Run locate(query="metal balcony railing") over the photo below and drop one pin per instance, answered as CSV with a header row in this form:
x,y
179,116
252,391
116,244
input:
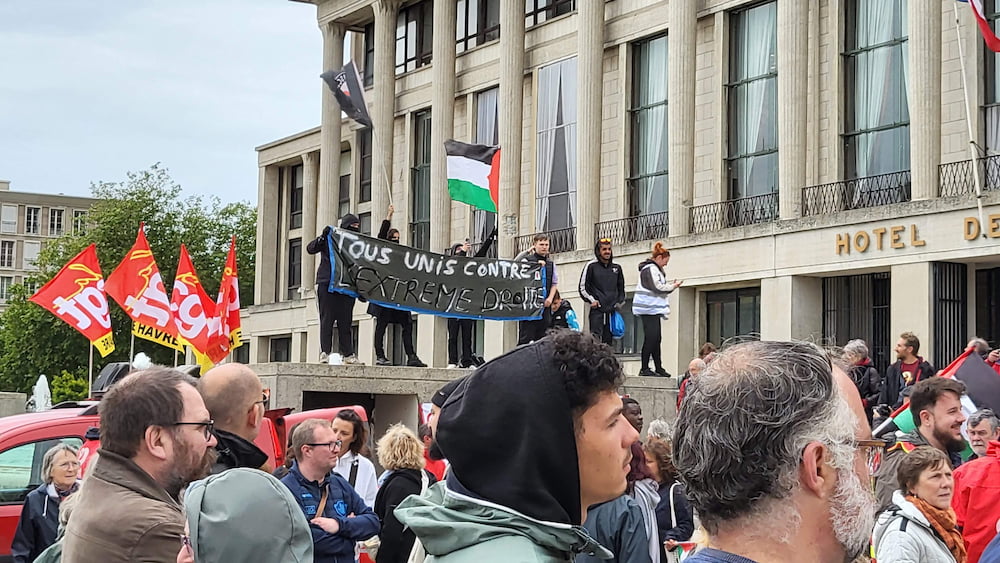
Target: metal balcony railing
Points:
x,y
560,240
631,229
957,178
734,213
859,193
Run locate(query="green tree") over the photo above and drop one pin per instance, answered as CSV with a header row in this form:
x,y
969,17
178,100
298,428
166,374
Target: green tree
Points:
x,y
68,387
33,341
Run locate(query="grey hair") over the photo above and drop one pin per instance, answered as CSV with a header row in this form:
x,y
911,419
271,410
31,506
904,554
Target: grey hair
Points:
x,y
661,429
984,414
857,348
982,346
742,429
49,458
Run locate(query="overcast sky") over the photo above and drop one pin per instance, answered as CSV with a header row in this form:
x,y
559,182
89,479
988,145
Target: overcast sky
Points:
x,y
92,89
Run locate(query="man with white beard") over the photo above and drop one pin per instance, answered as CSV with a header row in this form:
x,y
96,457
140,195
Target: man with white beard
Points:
x,y
772,444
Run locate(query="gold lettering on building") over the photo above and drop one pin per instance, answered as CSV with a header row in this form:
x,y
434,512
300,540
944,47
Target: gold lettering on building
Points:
x,y
972,229
861,241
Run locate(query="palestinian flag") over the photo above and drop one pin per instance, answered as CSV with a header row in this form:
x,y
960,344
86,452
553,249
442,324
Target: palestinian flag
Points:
x,y
684,550
474,174
982,391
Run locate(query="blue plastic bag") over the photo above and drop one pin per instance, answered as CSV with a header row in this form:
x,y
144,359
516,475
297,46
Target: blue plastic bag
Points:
x,y
572,321
617,325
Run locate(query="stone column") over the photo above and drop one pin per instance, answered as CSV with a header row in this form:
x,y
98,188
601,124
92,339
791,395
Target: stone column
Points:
x,y
682,50
924,93
433,328
793,82
511,118
329,136
267,235
791,308
385,104
310,175
590,90
911,287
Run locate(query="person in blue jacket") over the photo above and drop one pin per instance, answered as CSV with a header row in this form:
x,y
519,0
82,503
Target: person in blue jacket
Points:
x,y
338,517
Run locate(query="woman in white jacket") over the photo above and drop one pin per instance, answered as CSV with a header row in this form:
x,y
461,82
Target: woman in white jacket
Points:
x,y
651,303
919,527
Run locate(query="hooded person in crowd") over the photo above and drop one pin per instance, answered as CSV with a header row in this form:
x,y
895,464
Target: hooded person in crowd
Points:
x,y
235,399
518,491
462,328
334,307
38,526
243,515
602,287
651,304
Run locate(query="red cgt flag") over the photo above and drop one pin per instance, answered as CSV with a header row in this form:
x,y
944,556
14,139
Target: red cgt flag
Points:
x,y
195,312
228,303
137,286
76,295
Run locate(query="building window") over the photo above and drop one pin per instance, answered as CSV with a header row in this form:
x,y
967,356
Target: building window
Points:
x,y
7,254
79,221
487,133
365,148
366,223
345,195
295,198
988,305
648,115
414,38
478,23
8,219
631,343
991,109
5,283
420,204
877,138
280,348
294,267
32,220
555,204
753,102
858,307
31,250
55,222
951,311
369,61
731,314
538,11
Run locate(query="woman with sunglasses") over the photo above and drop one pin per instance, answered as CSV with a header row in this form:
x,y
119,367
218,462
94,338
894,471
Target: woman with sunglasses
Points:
x,y
39,524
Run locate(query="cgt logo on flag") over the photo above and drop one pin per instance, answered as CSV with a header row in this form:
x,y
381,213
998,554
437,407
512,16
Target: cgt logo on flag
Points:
x,y
76,295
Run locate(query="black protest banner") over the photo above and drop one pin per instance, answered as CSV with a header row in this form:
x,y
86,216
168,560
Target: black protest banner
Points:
x,y
401,277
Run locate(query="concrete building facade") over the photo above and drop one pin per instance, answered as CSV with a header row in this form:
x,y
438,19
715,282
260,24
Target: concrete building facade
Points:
x,y
807,163
27,222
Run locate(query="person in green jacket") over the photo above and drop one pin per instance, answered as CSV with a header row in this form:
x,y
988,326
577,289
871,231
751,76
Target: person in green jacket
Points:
x,y
534,438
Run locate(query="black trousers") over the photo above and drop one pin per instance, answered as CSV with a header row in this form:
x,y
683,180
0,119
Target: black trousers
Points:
x,y
651,340
600,326
335,308
534,330
463,327
382,323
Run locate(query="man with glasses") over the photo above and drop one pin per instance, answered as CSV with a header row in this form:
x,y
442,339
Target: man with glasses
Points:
x,y
602,286
156,437
782,476
337,515
235,399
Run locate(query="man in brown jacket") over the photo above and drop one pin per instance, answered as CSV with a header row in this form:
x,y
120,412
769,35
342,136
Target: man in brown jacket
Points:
x,y
156,437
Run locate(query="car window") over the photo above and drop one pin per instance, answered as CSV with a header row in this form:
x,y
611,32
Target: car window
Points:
x,y
21,468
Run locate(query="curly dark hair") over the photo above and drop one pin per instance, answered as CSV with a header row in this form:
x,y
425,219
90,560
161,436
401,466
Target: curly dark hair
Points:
x,y
589,368
660,451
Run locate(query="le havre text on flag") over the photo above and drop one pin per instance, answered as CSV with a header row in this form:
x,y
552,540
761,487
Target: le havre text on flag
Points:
x,y
474,174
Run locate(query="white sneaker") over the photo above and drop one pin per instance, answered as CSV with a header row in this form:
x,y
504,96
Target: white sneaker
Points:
x,y
323,357
451,366
353,360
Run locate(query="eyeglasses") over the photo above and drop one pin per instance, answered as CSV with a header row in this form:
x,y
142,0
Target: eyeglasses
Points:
x,y
331,445
604,241
264,397
208,424
873,452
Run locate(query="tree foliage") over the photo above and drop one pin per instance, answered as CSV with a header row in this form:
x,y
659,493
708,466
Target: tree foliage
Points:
x,y
68,387
33,341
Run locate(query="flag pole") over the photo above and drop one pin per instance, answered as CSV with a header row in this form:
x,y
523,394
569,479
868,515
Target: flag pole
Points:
x,y
968,122
131,349
90,373
385,171
175,357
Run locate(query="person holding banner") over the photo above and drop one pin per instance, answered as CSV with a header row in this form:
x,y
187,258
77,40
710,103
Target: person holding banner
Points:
x,y
334,308
385,316
464,326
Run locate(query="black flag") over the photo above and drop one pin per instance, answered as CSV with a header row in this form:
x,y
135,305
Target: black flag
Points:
x,y
346,86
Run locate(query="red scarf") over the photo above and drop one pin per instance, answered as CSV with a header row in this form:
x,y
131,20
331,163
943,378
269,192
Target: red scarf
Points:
x,y
943,522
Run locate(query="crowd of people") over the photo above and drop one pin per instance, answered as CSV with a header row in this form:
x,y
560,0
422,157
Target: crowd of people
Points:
x,y
535,456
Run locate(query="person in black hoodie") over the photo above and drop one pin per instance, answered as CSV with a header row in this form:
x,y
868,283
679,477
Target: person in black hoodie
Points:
x,y
465,326
402,455
907,371
602,285
864,375
334,308
385,316
530,331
